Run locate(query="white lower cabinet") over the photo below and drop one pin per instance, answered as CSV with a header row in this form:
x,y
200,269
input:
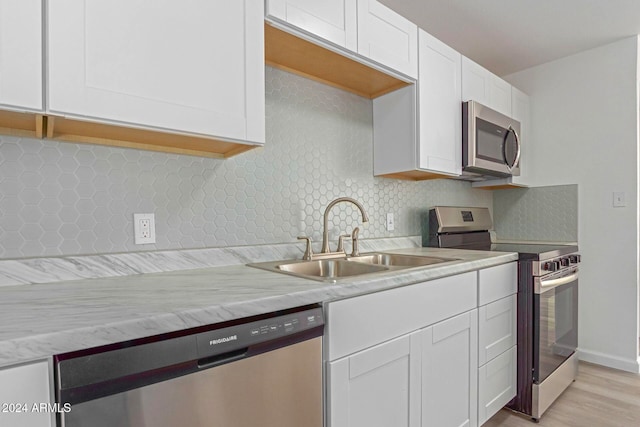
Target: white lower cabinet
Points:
x,y
426,355
404,357
449,381
25,396
377,387
426,378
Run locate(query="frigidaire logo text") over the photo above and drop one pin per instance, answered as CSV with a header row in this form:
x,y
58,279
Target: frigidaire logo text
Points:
x,y
225,339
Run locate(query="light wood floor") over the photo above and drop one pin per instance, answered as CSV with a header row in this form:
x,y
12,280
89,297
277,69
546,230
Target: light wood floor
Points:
x,y
600,397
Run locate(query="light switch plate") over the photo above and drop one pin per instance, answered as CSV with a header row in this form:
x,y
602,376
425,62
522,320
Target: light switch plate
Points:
x,y
144,228
619,199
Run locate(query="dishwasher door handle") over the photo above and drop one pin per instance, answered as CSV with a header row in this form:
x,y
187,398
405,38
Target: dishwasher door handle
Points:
x,y
221,359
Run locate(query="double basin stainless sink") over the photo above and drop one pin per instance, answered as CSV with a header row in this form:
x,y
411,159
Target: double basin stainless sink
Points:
x,y
331,270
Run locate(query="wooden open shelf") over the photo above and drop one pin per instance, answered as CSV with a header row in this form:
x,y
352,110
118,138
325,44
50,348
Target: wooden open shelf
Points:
x,y
290,53
65,129
21,124
496,184
415,175
498,187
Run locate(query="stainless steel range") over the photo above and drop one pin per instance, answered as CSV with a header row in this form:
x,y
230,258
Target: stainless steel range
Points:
x,y
547,302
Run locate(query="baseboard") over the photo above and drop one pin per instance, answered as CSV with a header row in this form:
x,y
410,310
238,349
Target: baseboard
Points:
x,y
629,365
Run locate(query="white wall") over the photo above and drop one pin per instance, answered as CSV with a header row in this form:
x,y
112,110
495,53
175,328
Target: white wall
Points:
x,y
585,131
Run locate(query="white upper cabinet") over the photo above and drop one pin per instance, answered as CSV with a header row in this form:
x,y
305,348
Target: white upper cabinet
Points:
x,y
21,55
363,27
331,20
440,111
387,38
481,85
422,138
196,68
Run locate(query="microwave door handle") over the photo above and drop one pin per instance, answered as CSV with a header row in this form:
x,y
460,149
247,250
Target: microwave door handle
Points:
x,y
518,144
504,149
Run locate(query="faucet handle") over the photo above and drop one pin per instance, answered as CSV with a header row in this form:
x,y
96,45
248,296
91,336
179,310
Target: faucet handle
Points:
x,y
354,242
341,242
308,252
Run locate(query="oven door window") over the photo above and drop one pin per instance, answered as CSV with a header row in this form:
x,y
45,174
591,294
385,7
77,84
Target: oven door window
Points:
x,y
555,328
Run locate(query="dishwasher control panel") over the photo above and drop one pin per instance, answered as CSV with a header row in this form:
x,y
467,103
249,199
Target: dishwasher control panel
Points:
x,y
228,339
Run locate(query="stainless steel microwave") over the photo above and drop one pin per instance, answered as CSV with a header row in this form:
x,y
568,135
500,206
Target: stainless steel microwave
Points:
x,y
490,142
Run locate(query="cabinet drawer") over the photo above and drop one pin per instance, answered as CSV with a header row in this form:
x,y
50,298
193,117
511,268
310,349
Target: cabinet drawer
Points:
x,y
497,282
496,384
496,328
357,323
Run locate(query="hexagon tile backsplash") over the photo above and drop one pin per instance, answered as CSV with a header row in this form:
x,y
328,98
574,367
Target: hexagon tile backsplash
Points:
x,y
63,198
543,213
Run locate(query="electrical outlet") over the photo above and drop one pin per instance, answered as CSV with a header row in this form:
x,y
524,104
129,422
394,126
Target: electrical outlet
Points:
x,y
144,228
390,222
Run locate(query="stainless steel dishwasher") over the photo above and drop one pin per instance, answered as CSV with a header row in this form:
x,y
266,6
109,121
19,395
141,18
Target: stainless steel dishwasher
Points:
x,y
265,371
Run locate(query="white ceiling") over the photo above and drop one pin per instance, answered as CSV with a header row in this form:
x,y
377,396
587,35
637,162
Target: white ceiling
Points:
x,y
506,36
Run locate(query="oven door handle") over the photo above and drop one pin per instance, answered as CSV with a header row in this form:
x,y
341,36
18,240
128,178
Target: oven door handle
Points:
x,y
547,285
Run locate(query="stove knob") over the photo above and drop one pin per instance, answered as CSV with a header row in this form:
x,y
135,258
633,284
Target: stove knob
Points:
x,y
551,266
574,259
564,262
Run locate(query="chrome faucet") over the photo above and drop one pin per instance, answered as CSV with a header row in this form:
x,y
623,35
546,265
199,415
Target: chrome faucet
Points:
x,y
325,233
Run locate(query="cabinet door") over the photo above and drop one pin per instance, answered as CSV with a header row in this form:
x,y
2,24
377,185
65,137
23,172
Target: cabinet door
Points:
x,y
481,85
25,385
520,111
440,113
449,372
475,82
331,20
195,67
500,95
21,54
377,387
496,384
387,37
496,328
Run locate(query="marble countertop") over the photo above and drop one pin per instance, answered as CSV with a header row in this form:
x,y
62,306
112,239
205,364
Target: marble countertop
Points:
x,y
40,320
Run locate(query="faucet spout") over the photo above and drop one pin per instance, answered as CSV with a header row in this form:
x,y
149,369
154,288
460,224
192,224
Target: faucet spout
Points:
x,y
325,233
